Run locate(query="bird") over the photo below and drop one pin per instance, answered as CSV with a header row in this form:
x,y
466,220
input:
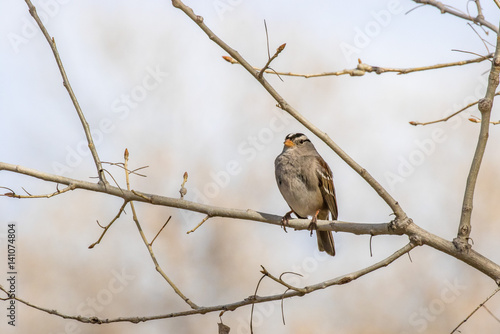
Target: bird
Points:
x,y
306,183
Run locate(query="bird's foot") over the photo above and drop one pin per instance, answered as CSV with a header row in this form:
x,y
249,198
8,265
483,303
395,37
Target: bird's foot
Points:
x,y
313,226
285,220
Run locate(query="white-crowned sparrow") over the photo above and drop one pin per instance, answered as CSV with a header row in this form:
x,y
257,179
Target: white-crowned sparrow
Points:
x,y
305,181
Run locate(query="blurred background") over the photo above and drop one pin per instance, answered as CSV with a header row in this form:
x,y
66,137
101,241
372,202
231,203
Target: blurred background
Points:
x,y
148,79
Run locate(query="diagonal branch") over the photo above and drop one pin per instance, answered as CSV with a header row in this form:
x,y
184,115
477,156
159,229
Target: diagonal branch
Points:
x,y
485,105
475,310
382,192
67,85
362,68
447,9
106,228
233,306
149,245
416,233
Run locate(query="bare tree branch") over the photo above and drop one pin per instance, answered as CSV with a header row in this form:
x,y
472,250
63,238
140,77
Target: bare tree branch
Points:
x,y
276,54
57,192
479,9
393,204
233,306
485,105
362,68
447,9
149,245
475,310
106,228
67,85
451,115
201,223
416,233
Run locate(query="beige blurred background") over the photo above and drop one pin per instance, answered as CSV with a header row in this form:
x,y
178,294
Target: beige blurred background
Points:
x,y
148,79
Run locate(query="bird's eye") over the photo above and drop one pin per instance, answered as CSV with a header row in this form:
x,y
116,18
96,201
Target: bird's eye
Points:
x,y
301,141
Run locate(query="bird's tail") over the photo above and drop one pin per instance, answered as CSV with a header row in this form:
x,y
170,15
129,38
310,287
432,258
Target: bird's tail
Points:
x,y
325,242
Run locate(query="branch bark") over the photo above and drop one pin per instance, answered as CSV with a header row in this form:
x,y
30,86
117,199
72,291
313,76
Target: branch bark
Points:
x,y
485,105
362,68
382,192
149,245
67,85
233,306
418,235
447,9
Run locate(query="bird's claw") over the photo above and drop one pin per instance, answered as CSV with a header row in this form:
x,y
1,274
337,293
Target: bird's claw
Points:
x,y
313,226
285,220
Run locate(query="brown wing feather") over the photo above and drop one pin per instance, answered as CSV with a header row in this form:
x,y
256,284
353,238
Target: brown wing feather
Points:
x,y
325,238
327,188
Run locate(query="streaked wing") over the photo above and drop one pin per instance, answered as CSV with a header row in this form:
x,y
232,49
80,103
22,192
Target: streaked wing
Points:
x,y
326,186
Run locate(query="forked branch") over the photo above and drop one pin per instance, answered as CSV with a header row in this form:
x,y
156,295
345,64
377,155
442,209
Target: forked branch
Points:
x,y
283,104
443,8
232,306
397,227
67,85
485,105
362,68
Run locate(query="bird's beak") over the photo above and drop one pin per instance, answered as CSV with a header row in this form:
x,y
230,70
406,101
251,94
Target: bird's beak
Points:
x,y
289,143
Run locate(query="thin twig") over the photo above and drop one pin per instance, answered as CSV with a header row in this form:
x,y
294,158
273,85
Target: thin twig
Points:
x,y
161,229
57,192
121,165
276,54
254,299
371,253
253,304
106,228
474,311
447,9
491,313
149,245
363,68
67,85
472,258
485,105
479,9
201,223
480,37
280,281
475,119
282,302
449,116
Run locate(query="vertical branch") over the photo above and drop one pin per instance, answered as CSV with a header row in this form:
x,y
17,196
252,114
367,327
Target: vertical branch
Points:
x,y
150,245
485,105
66,84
